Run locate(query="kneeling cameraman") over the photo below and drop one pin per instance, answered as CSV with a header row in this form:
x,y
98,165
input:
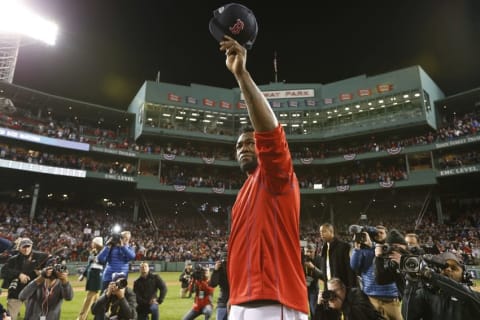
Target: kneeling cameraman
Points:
x,y
347,303
117,302
444,294
203,295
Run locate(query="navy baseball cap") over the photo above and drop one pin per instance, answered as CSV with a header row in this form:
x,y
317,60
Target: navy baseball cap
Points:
x,y
234,20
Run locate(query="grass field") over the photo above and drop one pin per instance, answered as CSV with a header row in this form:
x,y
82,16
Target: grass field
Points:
x,y
173,308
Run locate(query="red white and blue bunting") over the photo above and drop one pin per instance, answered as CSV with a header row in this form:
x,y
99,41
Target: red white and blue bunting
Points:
x,y
343,188
386,184
218,190
168,156
349,156
179,187
208,160
395,150
306,160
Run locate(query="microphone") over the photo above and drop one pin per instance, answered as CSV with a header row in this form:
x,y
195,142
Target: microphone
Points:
x,y
355,228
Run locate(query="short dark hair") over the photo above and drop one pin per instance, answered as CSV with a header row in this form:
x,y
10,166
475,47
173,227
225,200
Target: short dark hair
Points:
x,y
247,129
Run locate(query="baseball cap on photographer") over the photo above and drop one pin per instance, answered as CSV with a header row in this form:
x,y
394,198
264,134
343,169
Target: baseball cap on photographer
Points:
x,y
234,20
394,236
25,242
444,256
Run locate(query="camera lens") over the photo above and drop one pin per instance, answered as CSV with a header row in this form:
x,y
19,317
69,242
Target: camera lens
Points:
x,y
121,283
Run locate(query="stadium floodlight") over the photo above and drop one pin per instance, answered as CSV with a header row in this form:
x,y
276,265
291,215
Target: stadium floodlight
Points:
x,y
17,18
17,21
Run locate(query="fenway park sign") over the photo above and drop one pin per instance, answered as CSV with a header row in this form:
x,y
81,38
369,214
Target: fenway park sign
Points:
x,y
286,94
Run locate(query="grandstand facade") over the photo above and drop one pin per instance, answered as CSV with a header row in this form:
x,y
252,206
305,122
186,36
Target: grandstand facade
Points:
x,y
390,144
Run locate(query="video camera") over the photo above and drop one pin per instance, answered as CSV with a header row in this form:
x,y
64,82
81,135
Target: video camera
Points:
x,y
56,266
199,273
410,263
358,233
328,295
416,264
115,238
121,283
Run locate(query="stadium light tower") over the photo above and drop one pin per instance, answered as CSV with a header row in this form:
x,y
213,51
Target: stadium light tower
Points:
x,y
16,21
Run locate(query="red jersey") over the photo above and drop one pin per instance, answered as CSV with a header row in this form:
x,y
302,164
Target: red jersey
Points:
x,y
264,258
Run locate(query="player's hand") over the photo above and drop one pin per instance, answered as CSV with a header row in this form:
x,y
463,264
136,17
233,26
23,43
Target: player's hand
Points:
x,y
236,55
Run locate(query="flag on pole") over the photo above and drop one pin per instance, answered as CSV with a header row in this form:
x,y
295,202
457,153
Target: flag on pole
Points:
x,y
275,68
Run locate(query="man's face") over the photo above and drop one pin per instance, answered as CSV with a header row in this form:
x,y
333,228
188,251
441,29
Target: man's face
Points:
x,y
26,250
381,235
453,271
310,253
245,152
326,233
340,293
144,268
411,241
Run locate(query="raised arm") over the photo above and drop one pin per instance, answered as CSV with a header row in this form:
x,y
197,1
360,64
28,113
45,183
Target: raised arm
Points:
x,y
261,114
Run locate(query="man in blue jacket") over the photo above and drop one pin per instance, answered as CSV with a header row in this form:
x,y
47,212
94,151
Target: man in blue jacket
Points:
x,y
116,256
385,298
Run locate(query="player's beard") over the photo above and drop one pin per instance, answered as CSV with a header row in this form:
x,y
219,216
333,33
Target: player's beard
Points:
x,y
250,166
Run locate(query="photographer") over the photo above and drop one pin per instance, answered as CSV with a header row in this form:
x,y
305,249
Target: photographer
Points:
x,y
185,280
384,297
443,295
19,270
312,264
118,302
116,256
349,303
203,295
387,260
219,278
46,293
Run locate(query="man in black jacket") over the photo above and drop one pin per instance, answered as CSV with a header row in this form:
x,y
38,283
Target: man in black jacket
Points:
x,y
19,270
335,256
219,278
387,260
146,287
442,295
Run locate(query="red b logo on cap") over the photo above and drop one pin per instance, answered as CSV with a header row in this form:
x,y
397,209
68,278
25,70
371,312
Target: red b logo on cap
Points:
x,y
237,27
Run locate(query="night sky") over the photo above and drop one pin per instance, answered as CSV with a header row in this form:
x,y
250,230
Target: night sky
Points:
x,y
106,49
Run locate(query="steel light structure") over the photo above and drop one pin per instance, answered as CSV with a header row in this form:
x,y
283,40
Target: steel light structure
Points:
x,y
16,21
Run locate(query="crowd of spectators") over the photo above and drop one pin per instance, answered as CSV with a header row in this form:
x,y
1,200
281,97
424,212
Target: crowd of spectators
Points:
x,y
458,127
68,231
